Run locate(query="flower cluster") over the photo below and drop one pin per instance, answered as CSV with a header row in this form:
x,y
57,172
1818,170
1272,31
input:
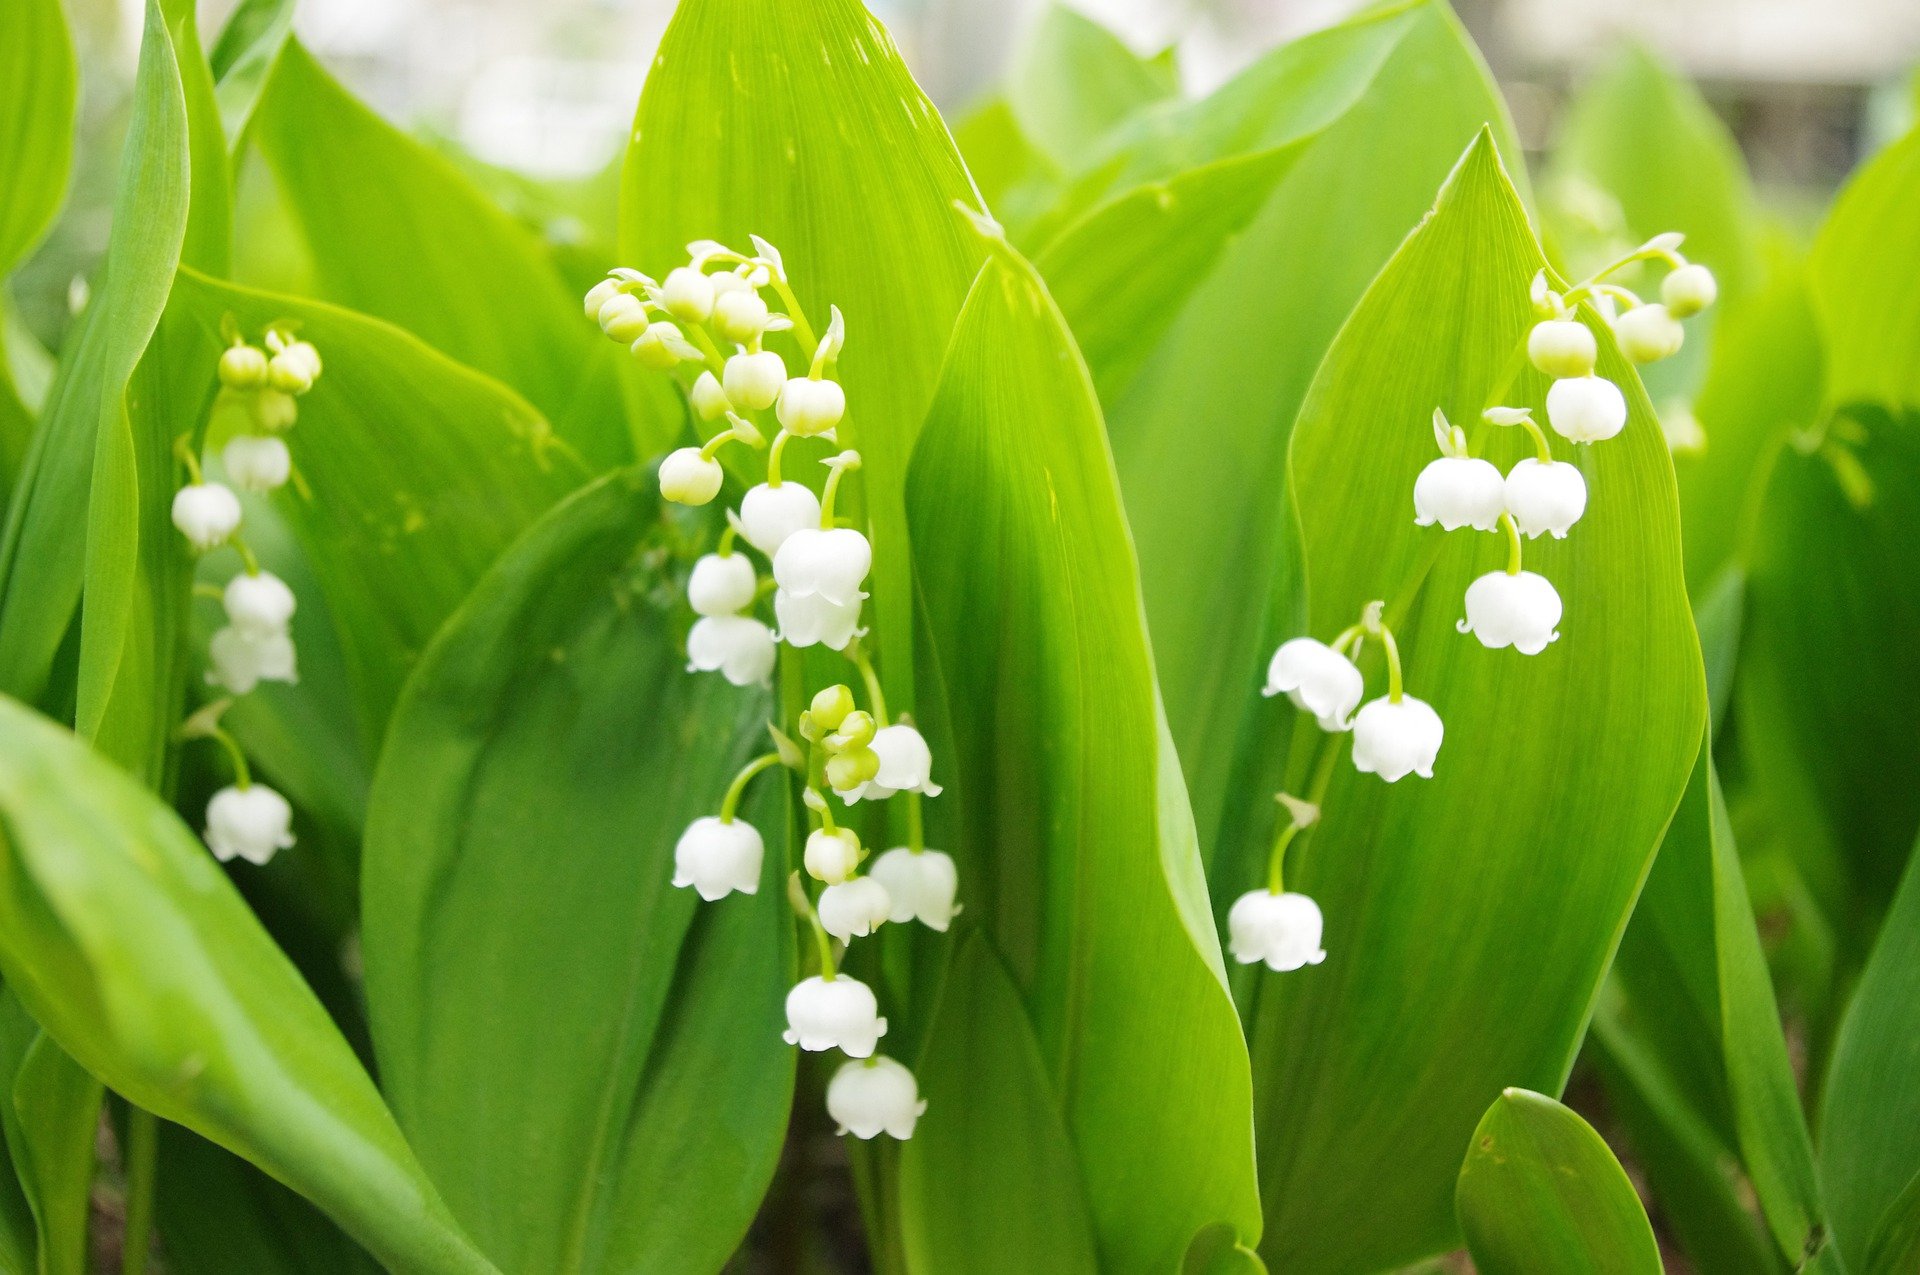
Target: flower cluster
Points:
x,y
710,321
1396,734
254,409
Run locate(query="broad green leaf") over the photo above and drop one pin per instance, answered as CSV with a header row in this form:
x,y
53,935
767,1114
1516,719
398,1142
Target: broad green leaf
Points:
x,y
243,59
124,938
521,936
988,1093
1073,81
1540,1191
397,232
1861,278
1065,811
50,1114
795,120
1470,917
1870,1113
1015,179
421,472
1201,402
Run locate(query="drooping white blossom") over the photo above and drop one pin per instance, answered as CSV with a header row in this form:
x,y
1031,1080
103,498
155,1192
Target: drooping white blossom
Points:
x,y
1688,290
241,662
250,823
854,907
1282,930
832,855
598,296
717,857
258,604
206,514
1394,740
1545,497
768,515
1318,679
828,562
837,1013
688,478
1519,610
906,765
754,380
623,317
721,584
687,294
816,621
1648,333
809,407
1562,347
709,400
739,647
739,314
1458,491
1586,409
257,462
871,1096
921,885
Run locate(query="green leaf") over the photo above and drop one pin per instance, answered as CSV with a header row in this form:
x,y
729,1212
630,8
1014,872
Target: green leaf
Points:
x,y
1443,984
640,1041
1073,81
50,1114
243,59
1862,263
1540,1191
1078,862
396,231
421,472
1017,181
36,123
127,942
796,120
1869,1113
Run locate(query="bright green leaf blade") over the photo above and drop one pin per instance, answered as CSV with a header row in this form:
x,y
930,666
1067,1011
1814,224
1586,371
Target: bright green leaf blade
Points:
x,y
1573,758
649,1105
125,939
988,1092
397,232
1017,181
1896,1244
421,472
1870,1111
797,121
1540,1191
1073,81
243,59
1079,863
50,1114
1862,280
36,122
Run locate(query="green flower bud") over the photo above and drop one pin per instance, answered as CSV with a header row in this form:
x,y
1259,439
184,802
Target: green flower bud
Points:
x,y
831,707
856,730
1562,348
275,410
848,770
289,373
623,317
688,478
1648,333
1688,290
243,367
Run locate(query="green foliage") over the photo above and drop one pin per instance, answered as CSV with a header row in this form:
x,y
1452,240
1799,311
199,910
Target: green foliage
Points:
x,y
49,1109
1073,82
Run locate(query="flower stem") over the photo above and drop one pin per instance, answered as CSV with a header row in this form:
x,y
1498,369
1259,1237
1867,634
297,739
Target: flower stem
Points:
x,y
242,775
838,465
183,448
142,1164
916,824
1513,543
802,330
1395,688
245,551
876,698
731,802
715,363
803,907
727,537
773,457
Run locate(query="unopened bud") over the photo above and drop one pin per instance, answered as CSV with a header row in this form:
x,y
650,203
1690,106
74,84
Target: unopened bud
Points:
x,y
243,367
848,770
831,707
856,730
1688,290
688,478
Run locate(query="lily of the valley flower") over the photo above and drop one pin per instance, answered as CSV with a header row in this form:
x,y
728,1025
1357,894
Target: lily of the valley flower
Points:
x,y
1586,409
1316,678
258,604
740,647
207,514
905,766
251,823
1545,497
854,907
816,621
921,885
1562,347
709,400
1518,610
1648,333
661,345
769,514
623,317
1394,739
257,463
871,1096
1456,490
809,407
717,856
243,367
754,380
1282,930
832,854
838,1013
689,478
241,662
687,294
1688,290
721,584
827,562
739,313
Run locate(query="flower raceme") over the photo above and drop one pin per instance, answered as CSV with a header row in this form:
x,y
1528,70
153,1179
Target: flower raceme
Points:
x,y
721,323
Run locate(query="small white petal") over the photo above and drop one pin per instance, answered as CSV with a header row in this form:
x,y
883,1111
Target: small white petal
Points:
x,y
1394,740
1318,679
258,605
816,620
716,857
872,1096
854,907
1458,491
838,1013
1517,610
831,562
768,515
922,886
257,463
241,662
721,584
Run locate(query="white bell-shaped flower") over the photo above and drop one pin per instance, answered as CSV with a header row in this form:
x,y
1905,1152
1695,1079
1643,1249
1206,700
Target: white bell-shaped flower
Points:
x,y
599,294
871,1096
259,604
257,463
906,764
1458,491
834,1013
832,855
1562,347
716,857
855,907
623,317
1648,333
1586,409
830,562
241,662
709,400
291,372
739,314
687,294
1318,679
1545,497
768,515
1518,610
754,380
243,367
688,478
809,407
922,886
206,514
250,823
816,620
1281,929
661,346
740,647
721,584
1688,290
1394,740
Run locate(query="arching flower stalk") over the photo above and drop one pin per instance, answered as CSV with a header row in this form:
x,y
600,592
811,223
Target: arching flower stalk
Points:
x,y
255,408
723,324
1397,734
